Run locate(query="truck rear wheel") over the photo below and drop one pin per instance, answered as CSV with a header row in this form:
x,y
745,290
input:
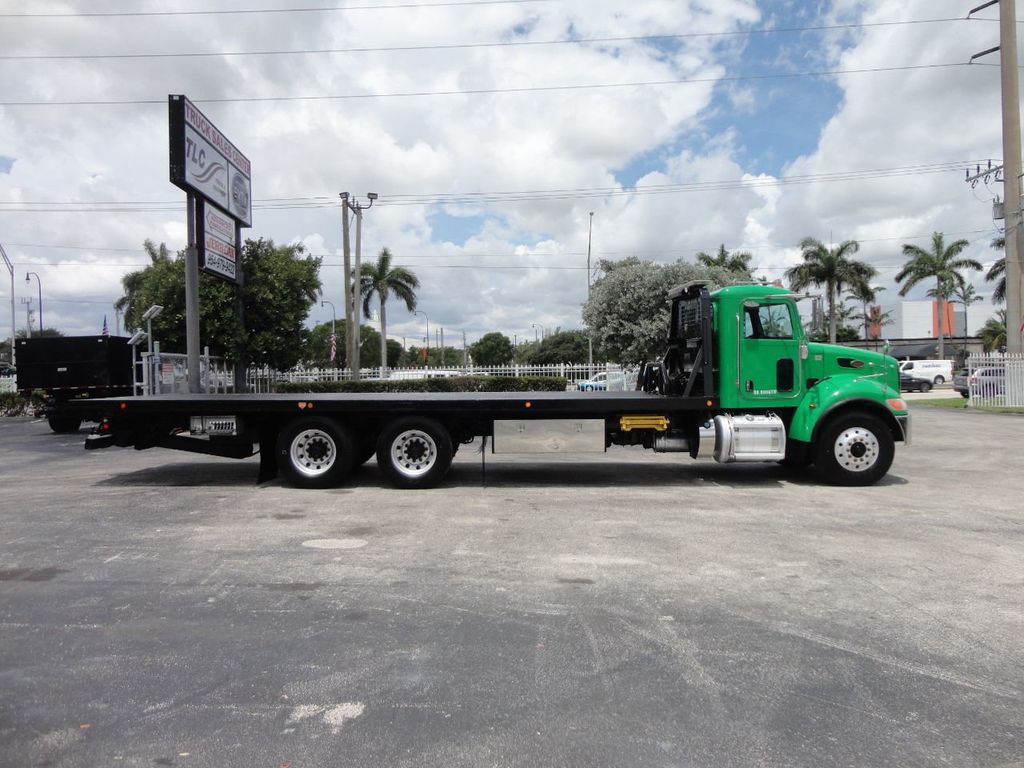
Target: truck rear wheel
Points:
x,y
63,424
853,449
414,452
315,452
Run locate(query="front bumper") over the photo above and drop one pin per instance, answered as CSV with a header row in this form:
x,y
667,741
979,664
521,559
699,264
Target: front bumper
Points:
x,y
904,422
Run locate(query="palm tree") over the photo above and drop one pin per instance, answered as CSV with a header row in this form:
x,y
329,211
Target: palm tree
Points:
x,y
966,294
738,261
866,294
829,267
943,262
993,332
385,280
133,281
998,272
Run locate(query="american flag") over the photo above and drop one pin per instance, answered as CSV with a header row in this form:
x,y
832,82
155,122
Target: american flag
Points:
x,y
334,347
106,331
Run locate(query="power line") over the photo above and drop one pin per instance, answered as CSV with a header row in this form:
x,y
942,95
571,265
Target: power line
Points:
x,y
493,91
314,202
242,11
464,46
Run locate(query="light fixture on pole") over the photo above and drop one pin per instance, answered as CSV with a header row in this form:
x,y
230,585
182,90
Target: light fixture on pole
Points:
x,y
543,331
148,316
39,284
137,338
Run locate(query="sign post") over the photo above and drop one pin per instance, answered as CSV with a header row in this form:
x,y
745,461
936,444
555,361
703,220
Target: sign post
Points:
x,y
216,177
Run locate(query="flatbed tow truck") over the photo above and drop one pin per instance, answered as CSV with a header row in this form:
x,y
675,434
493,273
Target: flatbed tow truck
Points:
x,y
738,382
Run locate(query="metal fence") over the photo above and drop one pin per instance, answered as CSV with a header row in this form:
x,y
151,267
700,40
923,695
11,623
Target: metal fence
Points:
x,y
166,373
604,375
996,380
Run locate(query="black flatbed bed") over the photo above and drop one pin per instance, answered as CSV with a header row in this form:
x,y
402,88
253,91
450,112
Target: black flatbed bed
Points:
x,y
495,404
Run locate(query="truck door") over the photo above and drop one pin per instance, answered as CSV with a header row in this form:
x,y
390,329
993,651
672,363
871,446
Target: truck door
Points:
x,y
769,353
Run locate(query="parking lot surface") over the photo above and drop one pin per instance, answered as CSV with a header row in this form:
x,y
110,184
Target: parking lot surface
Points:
x,y
629,609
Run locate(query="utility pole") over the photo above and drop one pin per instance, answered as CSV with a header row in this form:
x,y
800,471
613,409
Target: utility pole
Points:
x,y
28,316
1011,164
353,277
441,345
1014,235
590,339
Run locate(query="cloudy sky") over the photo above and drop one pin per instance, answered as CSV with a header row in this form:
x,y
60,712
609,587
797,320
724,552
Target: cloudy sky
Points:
x,y
491,130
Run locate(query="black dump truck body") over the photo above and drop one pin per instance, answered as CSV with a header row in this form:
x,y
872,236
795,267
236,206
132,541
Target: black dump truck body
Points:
x,y
70,368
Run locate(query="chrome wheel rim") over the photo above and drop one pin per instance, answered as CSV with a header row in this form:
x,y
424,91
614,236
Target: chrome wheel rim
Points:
x,y
313,452
857,449
413,453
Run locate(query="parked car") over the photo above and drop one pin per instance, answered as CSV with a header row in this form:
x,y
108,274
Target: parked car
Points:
x,y
910,383
960,383
989,381
602,381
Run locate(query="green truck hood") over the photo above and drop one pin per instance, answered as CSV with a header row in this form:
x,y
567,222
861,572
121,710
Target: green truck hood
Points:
x,y
831,360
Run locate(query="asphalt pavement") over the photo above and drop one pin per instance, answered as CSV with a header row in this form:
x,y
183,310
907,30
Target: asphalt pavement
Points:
x,y
625,609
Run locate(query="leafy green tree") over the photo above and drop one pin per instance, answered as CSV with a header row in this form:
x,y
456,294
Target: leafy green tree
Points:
x,y
738,261
492,349
997,273
993,332
627,311
561,347
383,280
281,286
829,267
942,263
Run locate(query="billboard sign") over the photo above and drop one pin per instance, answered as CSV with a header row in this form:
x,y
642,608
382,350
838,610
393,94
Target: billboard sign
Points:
x,y
216,241
205,163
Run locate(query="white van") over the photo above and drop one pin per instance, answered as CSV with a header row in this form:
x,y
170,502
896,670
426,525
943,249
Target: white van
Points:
x,y
935,371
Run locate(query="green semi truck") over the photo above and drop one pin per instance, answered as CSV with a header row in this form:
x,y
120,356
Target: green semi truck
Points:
x,y
738,382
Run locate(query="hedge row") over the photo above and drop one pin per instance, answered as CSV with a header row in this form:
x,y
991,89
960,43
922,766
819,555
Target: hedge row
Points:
x,y
446,384
14,404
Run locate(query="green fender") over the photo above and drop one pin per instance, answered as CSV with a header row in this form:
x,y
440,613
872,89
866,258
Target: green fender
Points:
x,y
838,393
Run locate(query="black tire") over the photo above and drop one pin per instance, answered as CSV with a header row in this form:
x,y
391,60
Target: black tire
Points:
x,y
315,452
63,425
939,380
414,452
965,395
926,387
854,449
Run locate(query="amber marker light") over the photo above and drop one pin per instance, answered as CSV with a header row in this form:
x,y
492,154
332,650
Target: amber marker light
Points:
x,y
897,404
528,404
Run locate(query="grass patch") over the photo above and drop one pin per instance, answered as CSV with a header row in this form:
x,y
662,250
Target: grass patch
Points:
x,y
960,404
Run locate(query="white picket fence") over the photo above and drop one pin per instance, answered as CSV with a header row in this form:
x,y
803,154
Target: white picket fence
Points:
x,y
996,380
266,379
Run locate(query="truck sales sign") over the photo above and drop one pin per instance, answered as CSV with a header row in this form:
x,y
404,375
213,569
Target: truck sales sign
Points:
x,y
215,235
205,162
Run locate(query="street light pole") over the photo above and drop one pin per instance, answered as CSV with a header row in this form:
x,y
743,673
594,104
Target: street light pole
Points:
x,y
39,284
427,318
334,337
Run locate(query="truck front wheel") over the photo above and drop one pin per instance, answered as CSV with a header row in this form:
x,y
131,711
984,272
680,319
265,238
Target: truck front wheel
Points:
x,y
414,452
315,452
854,448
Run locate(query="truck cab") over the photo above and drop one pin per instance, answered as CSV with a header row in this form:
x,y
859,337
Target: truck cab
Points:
x,y
743,349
